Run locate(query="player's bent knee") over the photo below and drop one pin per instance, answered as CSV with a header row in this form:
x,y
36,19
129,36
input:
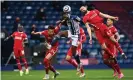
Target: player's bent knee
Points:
x,y
22,57
45,60
17,57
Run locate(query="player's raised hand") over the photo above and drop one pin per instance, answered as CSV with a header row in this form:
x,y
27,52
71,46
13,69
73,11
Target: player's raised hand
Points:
x,y
6,39
116,18
124,56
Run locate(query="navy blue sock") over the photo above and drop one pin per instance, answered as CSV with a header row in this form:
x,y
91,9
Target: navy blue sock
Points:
x,y
77,59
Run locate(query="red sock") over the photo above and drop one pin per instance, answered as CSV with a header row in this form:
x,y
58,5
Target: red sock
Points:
x,y
46,63
52,68
18,63
72,62
118,47
25,63
82,70
117,67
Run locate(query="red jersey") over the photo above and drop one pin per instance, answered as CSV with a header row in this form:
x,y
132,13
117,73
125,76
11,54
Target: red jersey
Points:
x,y
48,37
109,43
93,18
113,30
82,35
19,37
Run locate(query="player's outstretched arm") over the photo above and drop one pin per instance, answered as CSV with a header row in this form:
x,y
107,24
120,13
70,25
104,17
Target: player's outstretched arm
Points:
x,y
33,32
108,16
8,38
118,36
89,32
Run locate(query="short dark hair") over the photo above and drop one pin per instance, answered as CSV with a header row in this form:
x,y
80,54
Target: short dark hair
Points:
x,y
90,7
51,27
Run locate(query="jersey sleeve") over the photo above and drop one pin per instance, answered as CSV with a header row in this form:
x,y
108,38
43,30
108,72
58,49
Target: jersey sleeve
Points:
x,y
43,32
114,30
85,20
25,36
57,28
77,18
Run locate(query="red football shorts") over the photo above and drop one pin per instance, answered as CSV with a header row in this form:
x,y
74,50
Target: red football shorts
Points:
x,y
18,52
78,51
112,48
52,51
102,33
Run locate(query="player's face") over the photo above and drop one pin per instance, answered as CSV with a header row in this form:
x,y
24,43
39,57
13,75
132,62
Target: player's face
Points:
x,y
51,32
83,9
20,29
109,22
66,16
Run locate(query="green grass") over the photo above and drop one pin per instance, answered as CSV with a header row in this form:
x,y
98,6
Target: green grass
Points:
x,y
97,74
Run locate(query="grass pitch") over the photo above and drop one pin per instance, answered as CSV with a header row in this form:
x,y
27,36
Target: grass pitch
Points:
x,y
91,74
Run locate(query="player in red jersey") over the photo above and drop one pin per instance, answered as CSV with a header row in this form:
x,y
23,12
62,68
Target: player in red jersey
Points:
x,y
49,34
112,62
19,39
95,18
79,48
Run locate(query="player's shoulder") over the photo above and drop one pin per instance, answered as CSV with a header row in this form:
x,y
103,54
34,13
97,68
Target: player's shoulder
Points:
x,y
113,27
45,31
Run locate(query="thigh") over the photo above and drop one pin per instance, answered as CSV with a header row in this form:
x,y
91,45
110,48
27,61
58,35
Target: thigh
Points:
x,y
21,52
16,53
101,39
105,56
69,53
50,53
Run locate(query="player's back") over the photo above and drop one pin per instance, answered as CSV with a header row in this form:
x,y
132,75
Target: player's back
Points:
x,y
93,17
18,39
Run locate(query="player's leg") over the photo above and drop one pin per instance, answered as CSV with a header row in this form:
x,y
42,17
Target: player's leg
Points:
x,y
24,61
79,49
56,73
46,63
69,58
16,53
76,57
106,61
117,67
101,39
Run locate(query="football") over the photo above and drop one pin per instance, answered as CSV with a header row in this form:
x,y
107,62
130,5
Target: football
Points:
x,y
66,8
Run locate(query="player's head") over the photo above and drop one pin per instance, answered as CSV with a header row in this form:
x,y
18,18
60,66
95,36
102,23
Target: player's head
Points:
x,y
86,8
83,9
51,30
20,28
110,22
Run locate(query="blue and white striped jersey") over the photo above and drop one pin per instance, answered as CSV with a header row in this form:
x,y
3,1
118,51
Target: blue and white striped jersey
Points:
x,y
73,25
